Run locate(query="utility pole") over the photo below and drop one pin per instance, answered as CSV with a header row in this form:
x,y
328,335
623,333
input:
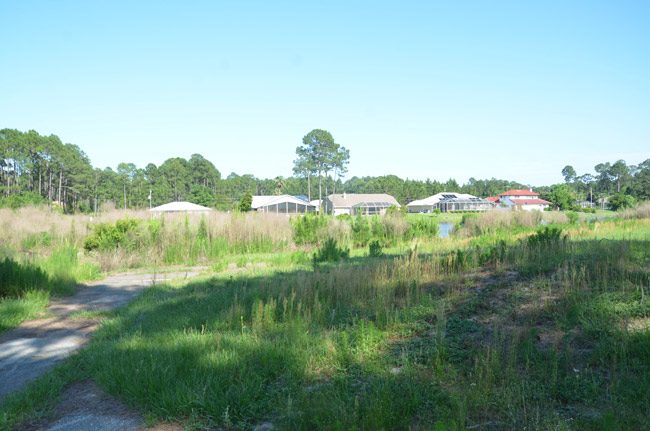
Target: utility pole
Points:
x,y
149,197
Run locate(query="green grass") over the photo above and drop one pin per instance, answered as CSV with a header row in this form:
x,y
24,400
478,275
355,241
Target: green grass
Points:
x,y
499,332
27,286
29,305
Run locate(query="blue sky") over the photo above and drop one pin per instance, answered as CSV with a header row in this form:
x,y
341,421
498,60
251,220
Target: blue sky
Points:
x,y
421,89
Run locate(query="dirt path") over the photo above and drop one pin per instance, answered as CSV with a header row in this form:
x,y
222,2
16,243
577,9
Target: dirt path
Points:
x,y
33,348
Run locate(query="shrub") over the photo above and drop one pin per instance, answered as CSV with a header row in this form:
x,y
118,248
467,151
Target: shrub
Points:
x,y
330,252
548,235
107,236
361,231
308,229
21,200
621,201
422,227
572,216
375,249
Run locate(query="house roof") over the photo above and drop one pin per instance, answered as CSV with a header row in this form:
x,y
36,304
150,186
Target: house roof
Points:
x,y
432,200
264,201
180,207
534,201
518,192
493,199
348,200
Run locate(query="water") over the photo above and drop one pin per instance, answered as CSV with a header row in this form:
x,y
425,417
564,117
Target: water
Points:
x,y
445,229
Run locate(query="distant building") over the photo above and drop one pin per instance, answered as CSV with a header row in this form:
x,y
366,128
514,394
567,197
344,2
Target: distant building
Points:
x,y
180,207
283,204
315,203
526,200
449,202
353,204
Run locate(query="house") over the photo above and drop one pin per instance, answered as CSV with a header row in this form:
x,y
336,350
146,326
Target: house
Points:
x,y
180,207
526,200
283,204
315,203
354,204
448,202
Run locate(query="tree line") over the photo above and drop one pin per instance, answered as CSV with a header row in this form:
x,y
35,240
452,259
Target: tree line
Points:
x,y
36,169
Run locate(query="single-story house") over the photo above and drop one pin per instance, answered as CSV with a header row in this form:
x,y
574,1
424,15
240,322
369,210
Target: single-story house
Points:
x,y
283,204
180,207
353,204
449,202
315,203
526,200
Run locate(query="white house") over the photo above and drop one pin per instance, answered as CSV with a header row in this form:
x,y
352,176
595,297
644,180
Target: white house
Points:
x,y
180,207
283,204
526,200
448,202
352,204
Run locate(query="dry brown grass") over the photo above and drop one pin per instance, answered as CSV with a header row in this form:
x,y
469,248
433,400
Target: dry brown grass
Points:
x,y
641,211
19,224
496,219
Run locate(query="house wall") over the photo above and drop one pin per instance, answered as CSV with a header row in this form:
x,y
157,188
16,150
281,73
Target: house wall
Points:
x,y
420,208
340,211
539,207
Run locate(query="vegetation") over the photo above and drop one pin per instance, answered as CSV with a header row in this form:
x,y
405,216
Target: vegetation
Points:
x,y
507,325
37,169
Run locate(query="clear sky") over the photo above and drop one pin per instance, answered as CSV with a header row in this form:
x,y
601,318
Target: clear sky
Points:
x,y
420,89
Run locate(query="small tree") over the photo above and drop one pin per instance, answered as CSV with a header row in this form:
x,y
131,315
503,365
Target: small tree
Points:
x,y
621,201
246,202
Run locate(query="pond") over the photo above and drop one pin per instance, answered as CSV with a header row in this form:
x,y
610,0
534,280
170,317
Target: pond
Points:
x,y
445,229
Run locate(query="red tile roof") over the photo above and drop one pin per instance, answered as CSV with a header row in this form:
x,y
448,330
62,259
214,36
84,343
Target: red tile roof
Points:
x,y
492,199
518,193
530,202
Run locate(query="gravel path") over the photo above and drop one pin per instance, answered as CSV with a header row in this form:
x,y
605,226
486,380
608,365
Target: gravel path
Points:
x,y
33,348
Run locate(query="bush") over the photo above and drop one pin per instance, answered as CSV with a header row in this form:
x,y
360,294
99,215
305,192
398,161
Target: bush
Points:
x,y
573,217
621,201
21,200
330,252
107,236
361,230
549,235
422,227
375,249
308,229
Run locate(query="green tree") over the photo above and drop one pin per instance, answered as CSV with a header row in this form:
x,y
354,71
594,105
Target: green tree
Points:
x,y
319,148
562,196
621,201
246,202
569,174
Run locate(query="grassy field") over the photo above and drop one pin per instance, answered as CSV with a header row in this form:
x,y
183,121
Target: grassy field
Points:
x,y
506,325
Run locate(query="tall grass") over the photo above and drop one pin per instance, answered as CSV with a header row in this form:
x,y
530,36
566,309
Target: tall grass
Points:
x,y
26,285
641,211
543,331
490,221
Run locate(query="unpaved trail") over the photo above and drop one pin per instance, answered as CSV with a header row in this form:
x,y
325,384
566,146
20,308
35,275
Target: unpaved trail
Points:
x,y
33,348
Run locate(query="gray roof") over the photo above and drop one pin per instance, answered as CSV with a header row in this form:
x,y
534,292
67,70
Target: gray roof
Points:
x,y
348,200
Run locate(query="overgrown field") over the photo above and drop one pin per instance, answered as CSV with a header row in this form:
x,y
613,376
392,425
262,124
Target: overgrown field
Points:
x,y
44,253
507,325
